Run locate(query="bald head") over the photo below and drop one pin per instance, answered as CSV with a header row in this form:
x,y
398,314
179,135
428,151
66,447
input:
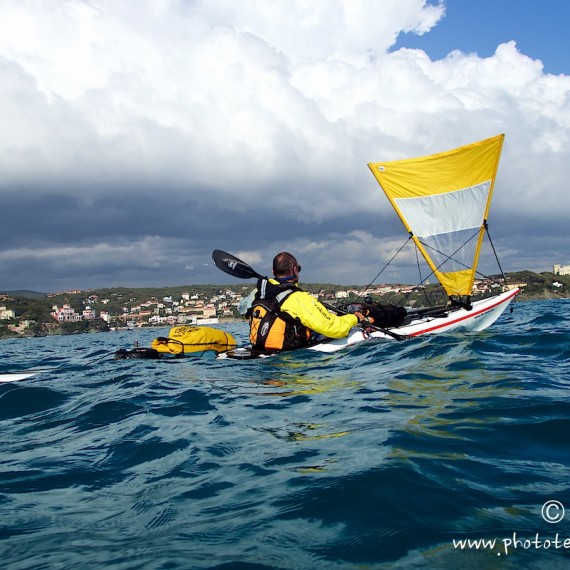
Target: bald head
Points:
x,y
285,266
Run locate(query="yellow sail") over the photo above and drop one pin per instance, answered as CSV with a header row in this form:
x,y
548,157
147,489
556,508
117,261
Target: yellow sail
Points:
x,y
443,201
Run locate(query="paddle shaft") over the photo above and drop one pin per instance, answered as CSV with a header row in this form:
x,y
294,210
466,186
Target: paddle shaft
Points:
x,y
367,325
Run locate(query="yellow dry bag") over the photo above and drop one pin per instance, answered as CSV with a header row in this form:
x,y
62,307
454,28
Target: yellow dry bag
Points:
x,y
183,340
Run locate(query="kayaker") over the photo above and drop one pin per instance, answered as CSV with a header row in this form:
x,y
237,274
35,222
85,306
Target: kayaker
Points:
x,y
282,316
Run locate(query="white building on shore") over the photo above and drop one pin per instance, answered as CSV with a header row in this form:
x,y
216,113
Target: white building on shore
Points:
x,y
65,314
562,270
6,314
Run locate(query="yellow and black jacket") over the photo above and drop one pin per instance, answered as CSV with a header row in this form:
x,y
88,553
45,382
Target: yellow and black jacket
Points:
x,y
283,317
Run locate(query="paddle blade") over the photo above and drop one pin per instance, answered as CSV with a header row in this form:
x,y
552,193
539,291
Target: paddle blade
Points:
x,y
231,265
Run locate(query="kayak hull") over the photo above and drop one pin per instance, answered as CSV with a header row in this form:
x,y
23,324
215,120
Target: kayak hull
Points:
x,y
16,376
481,316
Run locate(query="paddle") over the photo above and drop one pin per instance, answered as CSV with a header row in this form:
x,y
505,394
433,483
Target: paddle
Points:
x,y
234,266
231,265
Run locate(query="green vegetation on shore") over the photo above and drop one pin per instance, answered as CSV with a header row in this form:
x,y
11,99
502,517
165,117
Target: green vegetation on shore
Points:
x,y
32,310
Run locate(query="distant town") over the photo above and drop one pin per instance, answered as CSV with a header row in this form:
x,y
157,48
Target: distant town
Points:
x,y
73,311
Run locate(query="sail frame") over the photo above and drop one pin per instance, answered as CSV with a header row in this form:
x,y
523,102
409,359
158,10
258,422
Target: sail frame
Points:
x,y
459,183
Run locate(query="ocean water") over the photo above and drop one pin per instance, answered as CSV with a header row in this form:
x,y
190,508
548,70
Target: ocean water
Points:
x,y
449,451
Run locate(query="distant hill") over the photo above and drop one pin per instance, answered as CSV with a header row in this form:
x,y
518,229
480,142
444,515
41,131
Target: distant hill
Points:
x,y
25,293
544,285
120,302
538,286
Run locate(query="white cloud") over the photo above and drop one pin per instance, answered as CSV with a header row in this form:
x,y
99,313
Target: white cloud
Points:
x,y
200,93
323,29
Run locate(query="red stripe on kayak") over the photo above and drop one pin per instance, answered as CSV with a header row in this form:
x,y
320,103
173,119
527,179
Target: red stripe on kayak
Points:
x,y
468,316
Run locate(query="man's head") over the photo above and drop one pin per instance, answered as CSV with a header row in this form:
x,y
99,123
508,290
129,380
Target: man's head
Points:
x,y
285,267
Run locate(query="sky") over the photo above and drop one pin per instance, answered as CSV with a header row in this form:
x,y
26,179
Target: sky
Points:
x,y
136,136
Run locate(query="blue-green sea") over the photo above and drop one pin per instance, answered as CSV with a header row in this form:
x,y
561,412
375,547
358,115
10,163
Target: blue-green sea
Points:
x,y
449,451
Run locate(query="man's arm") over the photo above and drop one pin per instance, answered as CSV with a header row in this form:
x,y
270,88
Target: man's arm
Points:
x,y
316,317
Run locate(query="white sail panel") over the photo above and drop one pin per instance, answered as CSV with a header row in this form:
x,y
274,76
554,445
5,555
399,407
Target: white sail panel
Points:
x,y
464,209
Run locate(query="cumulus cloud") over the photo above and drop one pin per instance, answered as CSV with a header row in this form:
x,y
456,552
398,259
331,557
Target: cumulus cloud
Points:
x,y
248,124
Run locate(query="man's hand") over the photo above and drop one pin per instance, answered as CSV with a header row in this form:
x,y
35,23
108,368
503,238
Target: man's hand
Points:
x,y
359,316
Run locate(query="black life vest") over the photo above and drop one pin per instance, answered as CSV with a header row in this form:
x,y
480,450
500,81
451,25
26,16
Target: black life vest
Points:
x,y
270,328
